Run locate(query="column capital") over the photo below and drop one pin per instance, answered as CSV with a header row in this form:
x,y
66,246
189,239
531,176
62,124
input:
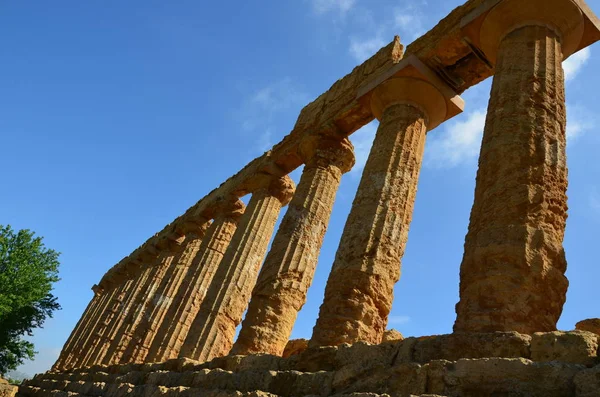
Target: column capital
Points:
x,y
280,187
324,151
228,206
193,226
411,82
572,20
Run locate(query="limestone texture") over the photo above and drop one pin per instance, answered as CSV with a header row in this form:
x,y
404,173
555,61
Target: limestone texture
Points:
x,y
512,273
392,335
590,325
359,292
213,330
113,342
139,311
294,346
159,305
186,303
288,271
388,369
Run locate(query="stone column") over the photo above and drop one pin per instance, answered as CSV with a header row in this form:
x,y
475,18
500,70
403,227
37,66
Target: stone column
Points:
x,y
78,354
171,283
186,302
114,310
112,329
512,273
127,339
359,291
288,271
77,331
212,332
116,344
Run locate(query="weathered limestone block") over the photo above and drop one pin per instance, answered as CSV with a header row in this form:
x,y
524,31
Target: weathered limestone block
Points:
x,y
392,335
7,390
590,325
577,347
453,347
587,382
163,297
501,377
212,332
288,271
294,346
186,303
512,273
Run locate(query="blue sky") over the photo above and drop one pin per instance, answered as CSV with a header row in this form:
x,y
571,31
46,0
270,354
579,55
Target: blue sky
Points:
x,y
117,116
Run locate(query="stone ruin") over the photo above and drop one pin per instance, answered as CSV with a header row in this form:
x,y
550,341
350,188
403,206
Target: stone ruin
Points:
x,y
162,321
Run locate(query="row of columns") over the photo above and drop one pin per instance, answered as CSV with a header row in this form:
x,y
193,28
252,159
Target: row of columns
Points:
x,y
191,294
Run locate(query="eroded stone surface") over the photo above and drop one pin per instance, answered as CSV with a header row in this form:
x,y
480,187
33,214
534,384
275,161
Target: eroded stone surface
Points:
x,y
590,325
287,273
512,273
294,346
213,330
359,291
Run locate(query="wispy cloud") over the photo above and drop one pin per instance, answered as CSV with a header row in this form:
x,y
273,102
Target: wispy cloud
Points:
x,y
579,121
575,63
261,110
398,320
456,144
324,6
363,48
409,20
362,141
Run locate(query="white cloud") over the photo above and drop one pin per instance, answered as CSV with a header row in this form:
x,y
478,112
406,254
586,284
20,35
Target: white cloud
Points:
x,y
458,143
363,48
410,21
362,141
573,65
262,109
398,320
324,6
579,121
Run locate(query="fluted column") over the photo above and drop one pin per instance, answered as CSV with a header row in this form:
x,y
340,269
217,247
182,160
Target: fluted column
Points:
x,y
359,291
512,273
186,302
113,330
288,271
75,358
113,311
116,345
129,338
171,283
77,331
213,329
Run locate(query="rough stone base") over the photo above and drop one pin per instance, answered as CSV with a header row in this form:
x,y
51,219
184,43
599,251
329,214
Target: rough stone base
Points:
x,y
499,364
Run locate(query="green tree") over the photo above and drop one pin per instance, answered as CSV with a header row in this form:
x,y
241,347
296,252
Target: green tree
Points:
x,y
27,271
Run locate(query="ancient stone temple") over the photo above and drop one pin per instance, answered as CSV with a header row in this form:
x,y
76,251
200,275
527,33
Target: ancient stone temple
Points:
x,y
162,321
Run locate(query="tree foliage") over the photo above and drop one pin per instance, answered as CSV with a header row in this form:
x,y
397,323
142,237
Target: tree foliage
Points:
x,y
27,271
